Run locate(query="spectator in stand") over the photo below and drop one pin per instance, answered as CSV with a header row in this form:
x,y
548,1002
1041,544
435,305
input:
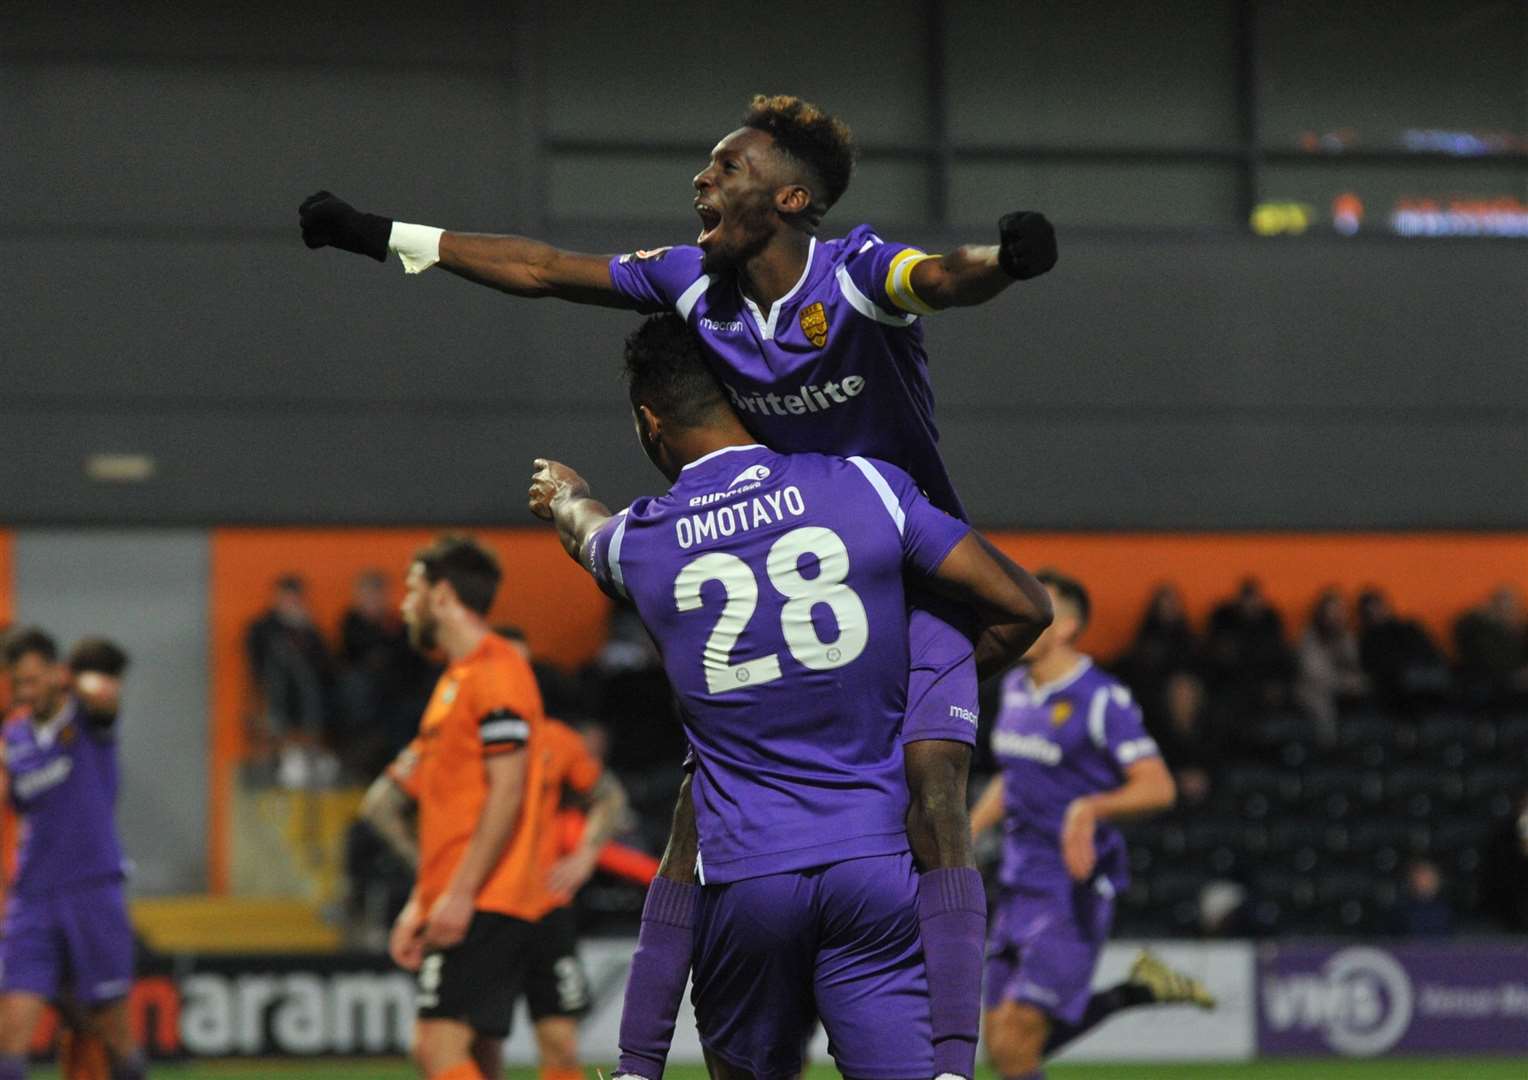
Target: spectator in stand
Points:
x,y
292,675
1504,872
1164,645
1189,745
1330,676
1248,659
1405,667
383,683
1492,645
1423,911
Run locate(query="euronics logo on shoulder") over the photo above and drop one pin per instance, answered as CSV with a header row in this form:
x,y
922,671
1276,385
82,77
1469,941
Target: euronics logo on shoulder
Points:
x,y
1361,1001
750,479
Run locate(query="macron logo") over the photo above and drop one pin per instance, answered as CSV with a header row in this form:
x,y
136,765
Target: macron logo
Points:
x,y
968,715
753,472
735,326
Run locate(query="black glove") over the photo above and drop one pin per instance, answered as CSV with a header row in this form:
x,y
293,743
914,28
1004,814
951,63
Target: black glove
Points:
x,y
1026,244
328,221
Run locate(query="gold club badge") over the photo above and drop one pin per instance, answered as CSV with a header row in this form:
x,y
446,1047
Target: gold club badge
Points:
x,y
814,324
1061,712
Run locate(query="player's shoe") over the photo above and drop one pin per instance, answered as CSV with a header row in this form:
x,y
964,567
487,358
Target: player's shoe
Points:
x,y
1169,987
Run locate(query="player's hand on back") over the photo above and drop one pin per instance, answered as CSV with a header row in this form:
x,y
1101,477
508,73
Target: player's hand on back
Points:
x,y
1077,847
1026,244
550,482
329,221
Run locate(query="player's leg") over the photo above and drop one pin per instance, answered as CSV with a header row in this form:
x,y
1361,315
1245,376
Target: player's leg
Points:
x,y
557,994
938,733
1151,982
99,940
1045,945
869,980
488,1055
1016,1035
30,966
113,1024
755,950
20,1012
467,993
443,1050
661,964
82,1054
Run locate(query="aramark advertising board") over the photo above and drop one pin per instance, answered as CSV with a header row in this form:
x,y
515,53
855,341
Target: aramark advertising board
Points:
x,y
1369,1001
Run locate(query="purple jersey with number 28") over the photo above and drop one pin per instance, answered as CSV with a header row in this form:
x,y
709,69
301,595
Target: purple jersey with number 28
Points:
x,y
772,584
836,366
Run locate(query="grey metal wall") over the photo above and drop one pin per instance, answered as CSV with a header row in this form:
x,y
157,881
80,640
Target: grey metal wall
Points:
x,y
1172,373
147,590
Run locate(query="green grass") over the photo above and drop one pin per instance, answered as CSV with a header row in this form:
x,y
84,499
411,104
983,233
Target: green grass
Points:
x,y
1391,1069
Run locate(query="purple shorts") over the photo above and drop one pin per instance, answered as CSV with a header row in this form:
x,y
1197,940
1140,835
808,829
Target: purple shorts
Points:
x,y
78,940
1044,945
941,683
839,942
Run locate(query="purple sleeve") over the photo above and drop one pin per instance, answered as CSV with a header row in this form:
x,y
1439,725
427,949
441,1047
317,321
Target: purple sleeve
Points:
x,y
656,280
1123,731
602,555
882,271
928,533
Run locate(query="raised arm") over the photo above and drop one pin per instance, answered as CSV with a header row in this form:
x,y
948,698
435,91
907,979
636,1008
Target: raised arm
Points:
x,y
512,264
975,273
561,496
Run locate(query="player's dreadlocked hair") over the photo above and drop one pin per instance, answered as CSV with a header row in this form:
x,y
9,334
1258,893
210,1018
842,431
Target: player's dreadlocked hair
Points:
x,y
666,372
1071,590
821,142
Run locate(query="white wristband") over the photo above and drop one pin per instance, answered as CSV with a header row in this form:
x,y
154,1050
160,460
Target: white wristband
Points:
x,y
417,245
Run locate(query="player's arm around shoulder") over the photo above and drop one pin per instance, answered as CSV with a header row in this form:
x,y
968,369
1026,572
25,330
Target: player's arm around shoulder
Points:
x,y
975,273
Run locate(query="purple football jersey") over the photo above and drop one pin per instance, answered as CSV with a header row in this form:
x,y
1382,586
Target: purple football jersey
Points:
x,y
837,366
63,783
1056,743
772,584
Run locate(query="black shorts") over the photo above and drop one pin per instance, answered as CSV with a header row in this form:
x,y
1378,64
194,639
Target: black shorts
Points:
x,y
479,981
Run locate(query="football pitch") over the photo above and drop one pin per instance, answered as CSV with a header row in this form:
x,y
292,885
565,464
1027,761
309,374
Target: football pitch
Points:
x,y
1392,1069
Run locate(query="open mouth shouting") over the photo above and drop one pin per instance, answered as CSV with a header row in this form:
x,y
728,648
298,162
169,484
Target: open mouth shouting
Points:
x,y
710,222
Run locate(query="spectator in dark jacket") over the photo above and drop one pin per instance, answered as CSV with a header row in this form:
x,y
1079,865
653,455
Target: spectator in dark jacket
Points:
x,y
1164,645
1404,665
1246,652
293,678
1492,645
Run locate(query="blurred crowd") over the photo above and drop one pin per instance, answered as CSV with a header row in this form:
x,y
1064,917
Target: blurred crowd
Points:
x,y
1240,692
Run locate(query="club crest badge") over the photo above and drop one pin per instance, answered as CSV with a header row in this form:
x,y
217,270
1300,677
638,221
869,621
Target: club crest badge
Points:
x,y
1061,712
814,324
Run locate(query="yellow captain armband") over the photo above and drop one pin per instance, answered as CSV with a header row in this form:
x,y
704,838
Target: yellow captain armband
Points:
x,y
899,282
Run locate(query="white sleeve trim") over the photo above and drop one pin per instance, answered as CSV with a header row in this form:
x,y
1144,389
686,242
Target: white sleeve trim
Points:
x,y
691,296
864,305
883,489
614,556
418,246
1096,718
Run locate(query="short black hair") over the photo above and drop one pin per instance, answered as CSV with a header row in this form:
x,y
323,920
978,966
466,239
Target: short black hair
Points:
x,y
471,568
27,641
821,142
666,371
98,654
1071,590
